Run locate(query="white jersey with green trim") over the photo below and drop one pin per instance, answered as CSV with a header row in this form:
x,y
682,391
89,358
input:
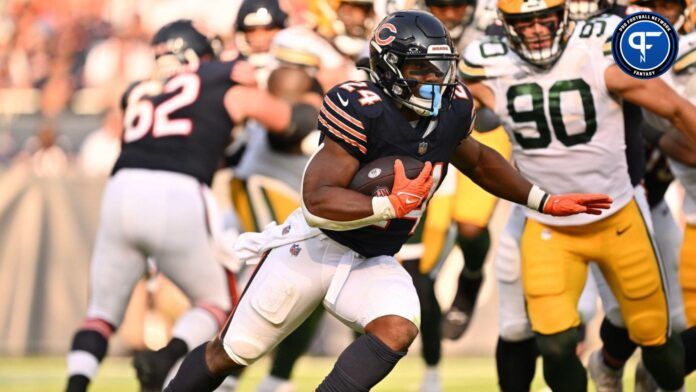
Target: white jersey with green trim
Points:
x,y
567,130
684,78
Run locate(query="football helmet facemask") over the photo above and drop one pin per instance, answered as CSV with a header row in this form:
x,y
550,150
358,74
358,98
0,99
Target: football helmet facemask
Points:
x,y
545,47
414,43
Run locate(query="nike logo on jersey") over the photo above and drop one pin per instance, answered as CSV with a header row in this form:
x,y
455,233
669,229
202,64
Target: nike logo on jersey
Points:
x,y
344,102
621,231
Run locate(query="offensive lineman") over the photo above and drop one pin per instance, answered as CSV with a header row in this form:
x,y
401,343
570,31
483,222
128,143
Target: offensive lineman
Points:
x,y
541,64
330,251
157,202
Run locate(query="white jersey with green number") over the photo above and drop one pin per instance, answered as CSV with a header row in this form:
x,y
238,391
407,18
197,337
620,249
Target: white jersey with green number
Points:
x,y
684,77
566,129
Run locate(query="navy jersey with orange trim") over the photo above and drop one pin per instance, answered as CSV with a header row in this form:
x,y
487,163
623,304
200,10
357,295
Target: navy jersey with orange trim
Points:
x,y
365,121
180,124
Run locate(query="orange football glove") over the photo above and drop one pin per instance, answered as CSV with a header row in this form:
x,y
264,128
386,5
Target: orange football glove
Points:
x,y
577,203
406,195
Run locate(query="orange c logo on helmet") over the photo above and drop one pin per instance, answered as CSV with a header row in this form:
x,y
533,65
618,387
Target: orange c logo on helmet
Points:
x,y
389,38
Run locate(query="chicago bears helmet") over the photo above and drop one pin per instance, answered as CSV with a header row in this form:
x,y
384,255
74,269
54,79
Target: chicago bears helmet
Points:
x,y
541,50
183,41
413,36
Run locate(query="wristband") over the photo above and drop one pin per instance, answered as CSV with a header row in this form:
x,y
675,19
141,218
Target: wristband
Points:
x,y
382,207
537,198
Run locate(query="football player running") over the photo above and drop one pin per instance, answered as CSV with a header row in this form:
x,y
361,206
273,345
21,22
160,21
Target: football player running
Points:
x,y
552,90
337,249
158,203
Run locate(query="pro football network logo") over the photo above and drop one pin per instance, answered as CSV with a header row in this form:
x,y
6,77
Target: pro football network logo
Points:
x,y
644,45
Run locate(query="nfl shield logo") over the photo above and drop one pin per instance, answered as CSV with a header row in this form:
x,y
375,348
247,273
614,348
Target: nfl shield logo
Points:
x,y
286,230
422,148
295,249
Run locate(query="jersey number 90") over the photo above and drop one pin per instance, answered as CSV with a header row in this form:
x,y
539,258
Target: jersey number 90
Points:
x,y
538,116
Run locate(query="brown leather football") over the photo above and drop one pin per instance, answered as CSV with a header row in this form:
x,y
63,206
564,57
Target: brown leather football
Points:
x,y
376,178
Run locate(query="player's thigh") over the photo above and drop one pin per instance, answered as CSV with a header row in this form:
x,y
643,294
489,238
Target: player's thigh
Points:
x,y
688,273
632,269
285,288
553,277
117,265
184,252
610,305
376,287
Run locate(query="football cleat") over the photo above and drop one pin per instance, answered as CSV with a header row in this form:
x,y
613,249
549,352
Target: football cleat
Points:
x,y
605,378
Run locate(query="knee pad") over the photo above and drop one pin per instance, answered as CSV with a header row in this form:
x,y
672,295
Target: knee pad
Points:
x,y
558,346
244,350
648,328
516,332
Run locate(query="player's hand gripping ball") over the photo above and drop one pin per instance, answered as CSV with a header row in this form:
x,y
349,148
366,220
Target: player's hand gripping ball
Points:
x,y
406,180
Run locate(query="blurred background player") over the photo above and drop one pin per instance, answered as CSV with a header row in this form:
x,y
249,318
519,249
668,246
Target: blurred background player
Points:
x,y
347,24
257,23
469,20
186,109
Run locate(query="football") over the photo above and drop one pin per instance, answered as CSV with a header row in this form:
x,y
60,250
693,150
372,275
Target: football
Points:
x,y
377,177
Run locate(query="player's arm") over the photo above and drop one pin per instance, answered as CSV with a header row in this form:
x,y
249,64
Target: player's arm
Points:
x,y
678,147
328,203
489,170
654,95
275,114
483,95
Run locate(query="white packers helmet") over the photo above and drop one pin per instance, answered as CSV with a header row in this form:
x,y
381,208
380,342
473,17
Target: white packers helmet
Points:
x,y
539,49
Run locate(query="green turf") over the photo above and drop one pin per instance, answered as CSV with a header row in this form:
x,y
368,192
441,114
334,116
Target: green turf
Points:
x,y
43,374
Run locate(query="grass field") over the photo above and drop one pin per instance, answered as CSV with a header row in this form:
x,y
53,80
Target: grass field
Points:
x,y
47,374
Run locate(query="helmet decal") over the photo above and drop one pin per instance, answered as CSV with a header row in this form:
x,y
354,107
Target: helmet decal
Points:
x,y
390,38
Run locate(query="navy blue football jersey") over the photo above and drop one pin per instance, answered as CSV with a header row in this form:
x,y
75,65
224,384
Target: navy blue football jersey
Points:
x,y
179,125
363,120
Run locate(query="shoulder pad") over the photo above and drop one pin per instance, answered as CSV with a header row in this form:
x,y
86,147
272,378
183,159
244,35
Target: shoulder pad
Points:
x,y
488,57
462,106
686,60
346,112
360,98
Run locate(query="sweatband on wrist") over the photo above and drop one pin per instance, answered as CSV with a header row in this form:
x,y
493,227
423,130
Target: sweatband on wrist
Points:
x,y
537,199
